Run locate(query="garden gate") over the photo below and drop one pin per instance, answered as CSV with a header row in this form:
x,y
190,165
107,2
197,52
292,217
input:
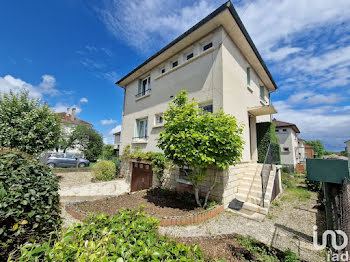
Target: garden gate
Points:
x,y
141,177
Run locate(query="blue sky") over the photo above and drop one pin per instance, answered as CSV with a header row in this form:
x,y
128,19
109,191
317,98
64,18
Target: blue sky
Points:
x,y
70,53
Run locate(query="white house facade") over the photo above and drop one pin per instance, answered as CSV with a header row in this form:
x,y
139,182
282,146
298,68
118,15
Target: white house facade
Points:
x,y
218,65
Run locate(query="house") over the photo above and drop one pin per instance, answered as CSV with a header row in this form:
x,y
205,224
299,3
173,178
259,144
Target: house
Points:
x,y
117,142
217,63
309,151
292,149
68,123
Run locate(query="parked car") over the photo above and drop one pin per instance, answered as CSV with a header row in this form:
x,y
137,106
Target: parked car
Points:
x,y
65,160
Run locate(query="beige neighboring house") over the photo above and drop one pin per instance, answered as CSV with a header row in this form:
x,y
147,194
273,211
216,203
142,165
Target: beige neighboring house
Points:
x,y
68,123
292,148
117,142
217,63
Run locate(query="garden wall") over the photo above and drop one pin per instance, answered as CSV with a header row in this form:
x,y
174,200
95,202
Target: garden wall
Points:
x,y
224,191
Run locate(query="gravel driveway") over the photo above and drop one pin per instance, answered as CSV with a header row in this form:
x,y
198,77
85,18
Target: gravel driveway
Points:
x,y
289,225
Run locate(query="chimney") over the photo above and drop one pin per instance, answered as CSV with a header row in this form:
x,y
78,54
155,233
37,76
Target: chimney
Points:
x,y
67,114
73,114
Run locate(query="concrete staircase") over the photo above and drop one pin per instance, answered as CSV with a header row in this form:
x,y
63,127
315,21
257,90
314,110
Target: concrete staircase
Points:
x,y
248,199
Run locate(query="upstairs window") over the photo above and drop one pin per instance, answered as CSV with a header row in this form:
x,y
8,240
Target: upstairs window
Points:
x,y
248,76
207,46
175,64
286,149
159,120
141,128
144,87
262,93
189,56
162,71
207,107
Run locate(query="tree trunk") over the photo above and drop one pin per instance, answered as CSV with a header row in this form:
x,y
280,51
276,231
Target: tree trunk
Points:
x,y
210,189
196,194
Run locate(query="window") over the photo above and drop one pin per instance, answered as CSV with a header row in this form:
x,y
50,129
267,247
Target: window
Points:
x,y
207,107
175,64
144,87
284,130
248,76
141,128
286,149
162,71
277,130
206,46
189,56
159,119
184,173
262,93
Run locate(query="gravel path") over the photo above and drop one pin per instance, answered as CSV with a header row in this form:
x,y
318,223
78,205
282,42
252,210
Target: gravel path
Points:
x,y
74,178
289,225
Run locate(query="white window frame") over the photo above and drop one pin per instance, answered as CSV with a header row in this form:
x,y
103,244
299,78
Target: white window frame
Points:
x,y
147,89
144,134
161,70
156,123
187,54
206,43
175,61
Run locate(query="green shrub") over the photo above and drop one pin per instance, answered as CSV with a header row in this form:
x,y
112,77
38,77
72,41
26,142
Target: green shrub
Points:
x,y
29,201
265,133
129,236
290,256
104,170
314,186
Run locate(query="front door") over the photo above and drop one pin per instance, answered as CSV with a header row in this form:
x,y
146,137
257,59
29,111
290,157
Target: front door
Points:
x,y
141,177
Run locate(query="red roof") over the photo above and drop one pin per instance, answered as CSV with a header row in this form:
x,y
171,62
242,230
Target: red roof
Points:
x,y
286,124
308,146
68,119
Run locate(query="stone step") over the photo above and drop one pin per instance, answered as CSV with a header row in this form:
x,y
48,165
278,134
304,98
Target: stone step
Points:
x,y
251,192
251,199
255,186
248,214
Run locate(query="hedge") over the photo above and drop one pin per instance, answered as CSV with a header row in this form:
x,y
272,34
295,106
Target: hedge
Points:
x,y
129,236
266,134
104,170
29,200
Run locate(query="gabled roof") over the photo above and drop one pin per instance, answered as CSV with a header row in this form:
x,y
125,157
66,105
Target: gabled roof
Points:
x,y
279,124
68,119
308,146
228,6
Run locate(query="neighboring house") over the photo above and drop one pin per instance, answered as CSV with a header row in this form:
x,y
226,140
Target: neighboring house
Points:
x,y
309,151
68,123
292,149
117,142
301,151
217,63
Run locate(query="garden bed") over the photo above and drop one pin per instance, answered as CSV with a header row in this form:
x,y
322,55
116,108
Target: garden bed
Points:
x,y
168,206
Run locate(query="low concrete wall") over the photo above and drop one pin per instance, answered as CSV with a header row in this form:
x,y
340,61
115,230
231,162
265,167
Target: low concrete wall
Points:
x,y
109,188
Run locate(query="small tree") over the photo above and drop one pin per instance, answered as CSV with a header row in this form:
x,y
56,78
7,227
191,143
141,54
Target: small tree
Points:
x,y
107,152
318,147
198,140
26,124
88,140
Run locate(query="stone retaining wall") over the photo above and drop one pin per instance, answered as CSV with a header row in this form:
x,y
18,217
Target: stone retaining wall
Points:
x,y
170,221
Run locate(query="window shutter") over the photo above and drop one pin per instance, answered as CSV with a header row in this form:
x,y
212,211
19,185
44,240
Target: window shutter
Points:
x,y
139,88
248,75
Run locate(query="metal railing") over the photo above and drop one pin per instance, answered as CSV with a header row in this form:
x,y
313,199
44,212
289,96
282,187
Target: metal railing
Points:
x,y
143,93
272,157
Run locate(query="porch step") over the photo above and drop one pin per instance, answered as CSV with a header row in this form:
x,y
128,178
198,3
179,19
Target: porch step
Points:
x,y
251,199
251,192
246,212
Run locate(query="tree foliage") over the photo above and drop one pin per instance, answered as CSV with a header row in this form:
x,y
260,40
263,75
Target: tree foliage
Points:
x,y
318,147
88,140
29,200
195,139
107,152
26,124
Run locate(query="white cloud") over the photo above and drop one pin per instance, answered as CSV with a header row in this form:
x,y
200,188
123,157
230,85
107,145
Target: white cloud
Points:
x,y
331,124
115,130
287,18
62,107
143,24
45,87
281,53
84,100
311,98
108,122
